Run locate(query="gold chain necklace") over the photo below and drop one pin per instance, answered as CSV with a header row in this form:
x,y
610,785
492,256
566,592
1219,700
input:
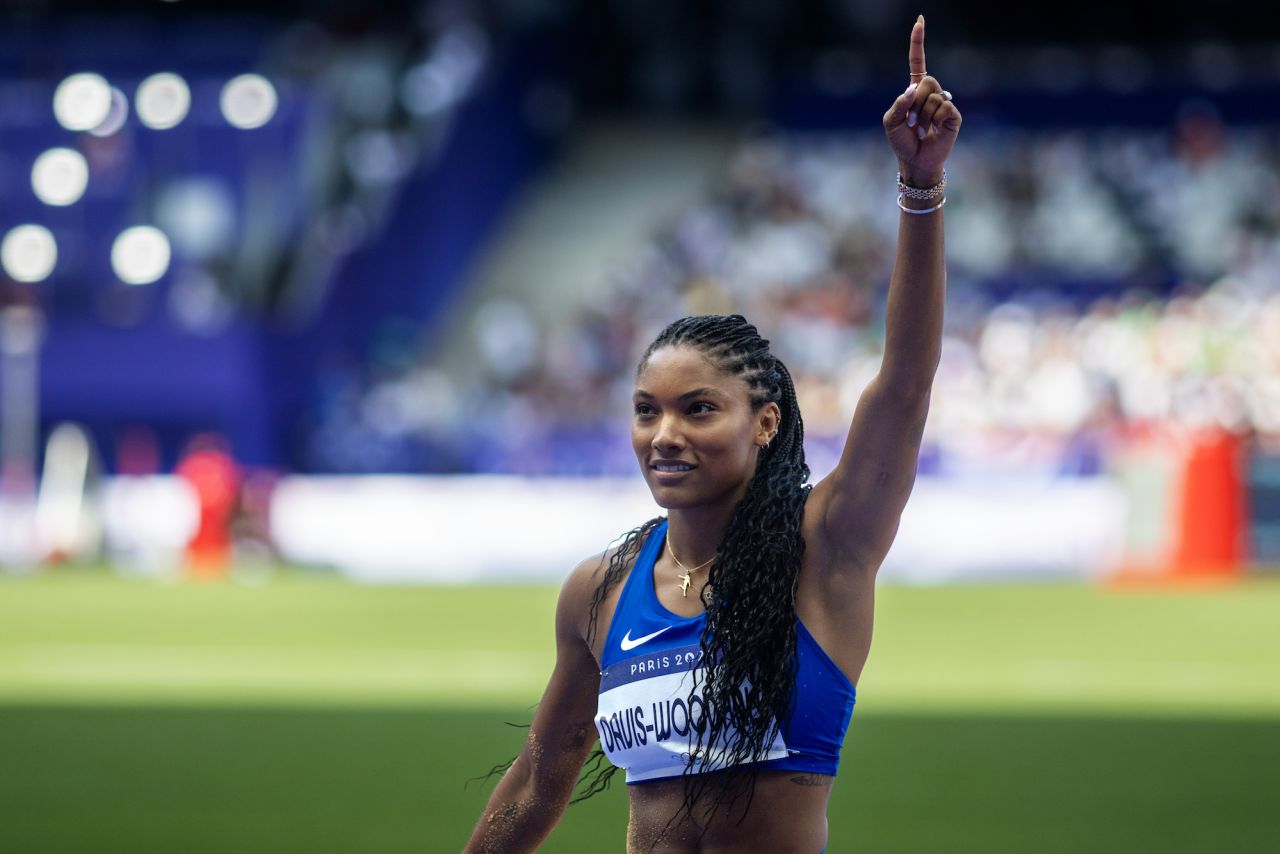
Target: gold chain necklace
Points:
x,y
687,578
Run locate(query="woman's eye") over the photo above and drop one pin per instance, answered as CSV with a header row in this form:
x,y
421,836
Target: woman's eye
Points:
x,y
699,408
642,409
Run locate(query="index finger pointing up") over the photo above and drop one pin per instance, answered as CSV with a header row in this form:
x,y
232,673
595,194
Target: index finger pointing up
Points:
x,y
915,59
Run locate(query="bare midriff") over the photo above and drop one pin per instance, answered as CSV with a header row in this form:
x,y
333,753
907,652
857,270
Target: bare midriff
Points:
x,y
788,815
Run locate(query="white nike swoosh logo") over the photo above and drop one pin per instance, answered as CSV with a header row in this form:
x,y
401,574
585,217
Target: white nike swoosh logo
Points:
x,y
629,644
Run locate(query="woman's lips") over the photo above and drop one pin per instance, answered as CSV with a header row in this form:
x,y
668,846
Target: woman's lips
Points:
x,y
667,471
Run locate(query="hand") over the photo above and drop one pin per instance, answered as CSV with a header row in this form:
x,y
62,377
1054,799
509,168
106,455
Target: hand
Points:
x,y
923,123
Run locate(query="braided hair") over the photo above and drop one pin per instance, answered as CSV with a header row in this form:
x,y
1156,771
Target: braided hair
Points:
x,y
749,642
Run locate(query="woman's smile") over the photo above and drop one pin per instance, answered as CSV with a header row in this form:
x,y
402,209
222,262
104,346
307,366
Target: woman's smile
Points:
x,y
671,471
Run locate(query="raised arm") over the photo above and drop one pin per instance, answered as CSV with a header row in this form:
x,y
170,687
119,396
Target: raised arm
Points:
x,y
861,501
529,800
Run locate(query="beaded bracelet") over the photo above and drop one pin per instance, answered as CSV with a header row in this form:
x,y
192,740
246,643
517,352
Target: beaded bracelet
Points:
x,y
937,207
922,193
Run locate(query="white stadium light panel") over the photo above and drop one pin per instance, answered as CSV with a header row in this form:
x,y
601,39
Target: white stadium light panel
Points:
x,y
248,101
140,255
59,176
82,101
162,100
29,253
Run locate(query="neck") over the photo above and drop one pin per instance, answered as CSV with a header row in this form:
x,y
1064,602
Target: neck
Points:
x,y
695,533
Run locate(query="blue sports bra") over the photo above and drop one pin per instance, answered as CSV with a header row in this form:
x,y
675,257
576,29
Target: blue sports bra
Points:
x,y
647,718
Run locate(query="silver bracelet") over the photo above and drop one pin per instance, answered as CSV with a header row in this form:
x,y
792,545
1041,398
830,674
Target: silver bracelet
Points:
x,y
936,207
922,193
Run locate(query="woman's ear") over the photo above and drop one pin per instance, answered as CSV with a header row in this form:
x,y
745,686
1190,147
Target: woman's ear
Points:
x,y
769,419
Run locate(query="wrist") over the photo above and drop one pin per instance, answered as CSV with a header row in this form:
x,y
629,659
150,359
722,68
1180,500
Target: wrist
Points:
x,y
925,199
919,179
922,205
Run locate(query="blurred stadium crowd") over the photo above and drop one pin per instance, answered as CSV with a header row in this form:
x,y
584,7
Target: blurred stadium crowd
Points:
x,y
243,239
290,198
1100,284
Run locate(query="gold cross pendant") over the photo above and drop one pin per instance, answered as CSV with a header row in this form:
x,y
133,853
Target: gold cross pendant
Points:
x,y
684,585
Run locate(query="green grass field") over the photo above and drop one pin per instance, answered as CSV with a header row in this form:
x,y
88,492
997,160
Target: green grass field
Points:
x,y
306,714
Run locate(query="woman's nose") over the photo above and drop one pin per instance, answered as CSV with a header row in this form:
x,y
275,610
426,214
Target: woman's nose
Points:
x,y
668,434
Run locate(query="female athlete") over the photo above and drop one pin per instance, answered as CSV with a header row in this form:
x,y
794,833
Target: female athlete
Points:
x,y
713,653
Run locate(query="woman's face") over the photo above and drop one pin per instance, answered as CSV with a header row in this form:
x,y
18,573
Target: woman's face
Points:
x,y
693,430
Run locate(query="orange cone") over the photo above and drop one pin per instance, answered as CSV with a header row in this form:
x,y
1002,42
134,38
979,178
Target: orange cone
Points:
x,y
1190,529
1210,522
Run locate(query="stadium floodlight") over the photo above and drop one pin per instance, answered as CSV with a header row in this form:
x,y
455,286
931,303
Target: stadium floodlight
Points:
x,y
140,255
82,101
59,176
28,253
116,115
248,101
162,100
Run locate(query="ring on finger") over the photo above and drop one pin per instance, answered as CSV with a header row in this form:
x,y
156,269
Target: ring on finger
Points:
x,y
945,94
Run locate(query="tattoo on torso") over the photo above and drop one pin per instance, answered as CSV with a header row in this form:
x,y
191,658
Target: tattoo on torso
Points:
x,y
811,780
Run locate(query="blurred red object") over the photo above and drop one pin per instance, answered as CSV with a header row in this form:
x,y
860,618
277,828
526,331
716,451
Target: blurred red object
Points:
x,y
215,478
1205,513
1211,510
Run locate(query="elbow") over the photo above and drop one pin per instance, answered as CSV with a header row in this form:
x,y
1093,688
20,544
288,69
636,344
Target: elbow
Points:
x,y
529,782
547,784
553,787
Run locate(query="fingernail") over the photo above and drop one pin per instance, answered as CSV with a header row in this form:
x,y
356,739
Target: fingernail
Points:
x,y
920,131
911,119
911,90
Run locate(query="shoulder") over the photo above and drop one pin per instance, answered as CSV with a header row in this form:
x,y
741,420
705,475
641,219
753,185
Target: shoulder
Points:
x,y
618,558
580,587
598,580
583,579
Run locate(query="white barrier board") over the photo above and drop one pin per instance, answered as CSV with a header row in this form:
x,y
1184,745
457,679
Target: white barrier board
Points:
x,y
505,528
492,528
